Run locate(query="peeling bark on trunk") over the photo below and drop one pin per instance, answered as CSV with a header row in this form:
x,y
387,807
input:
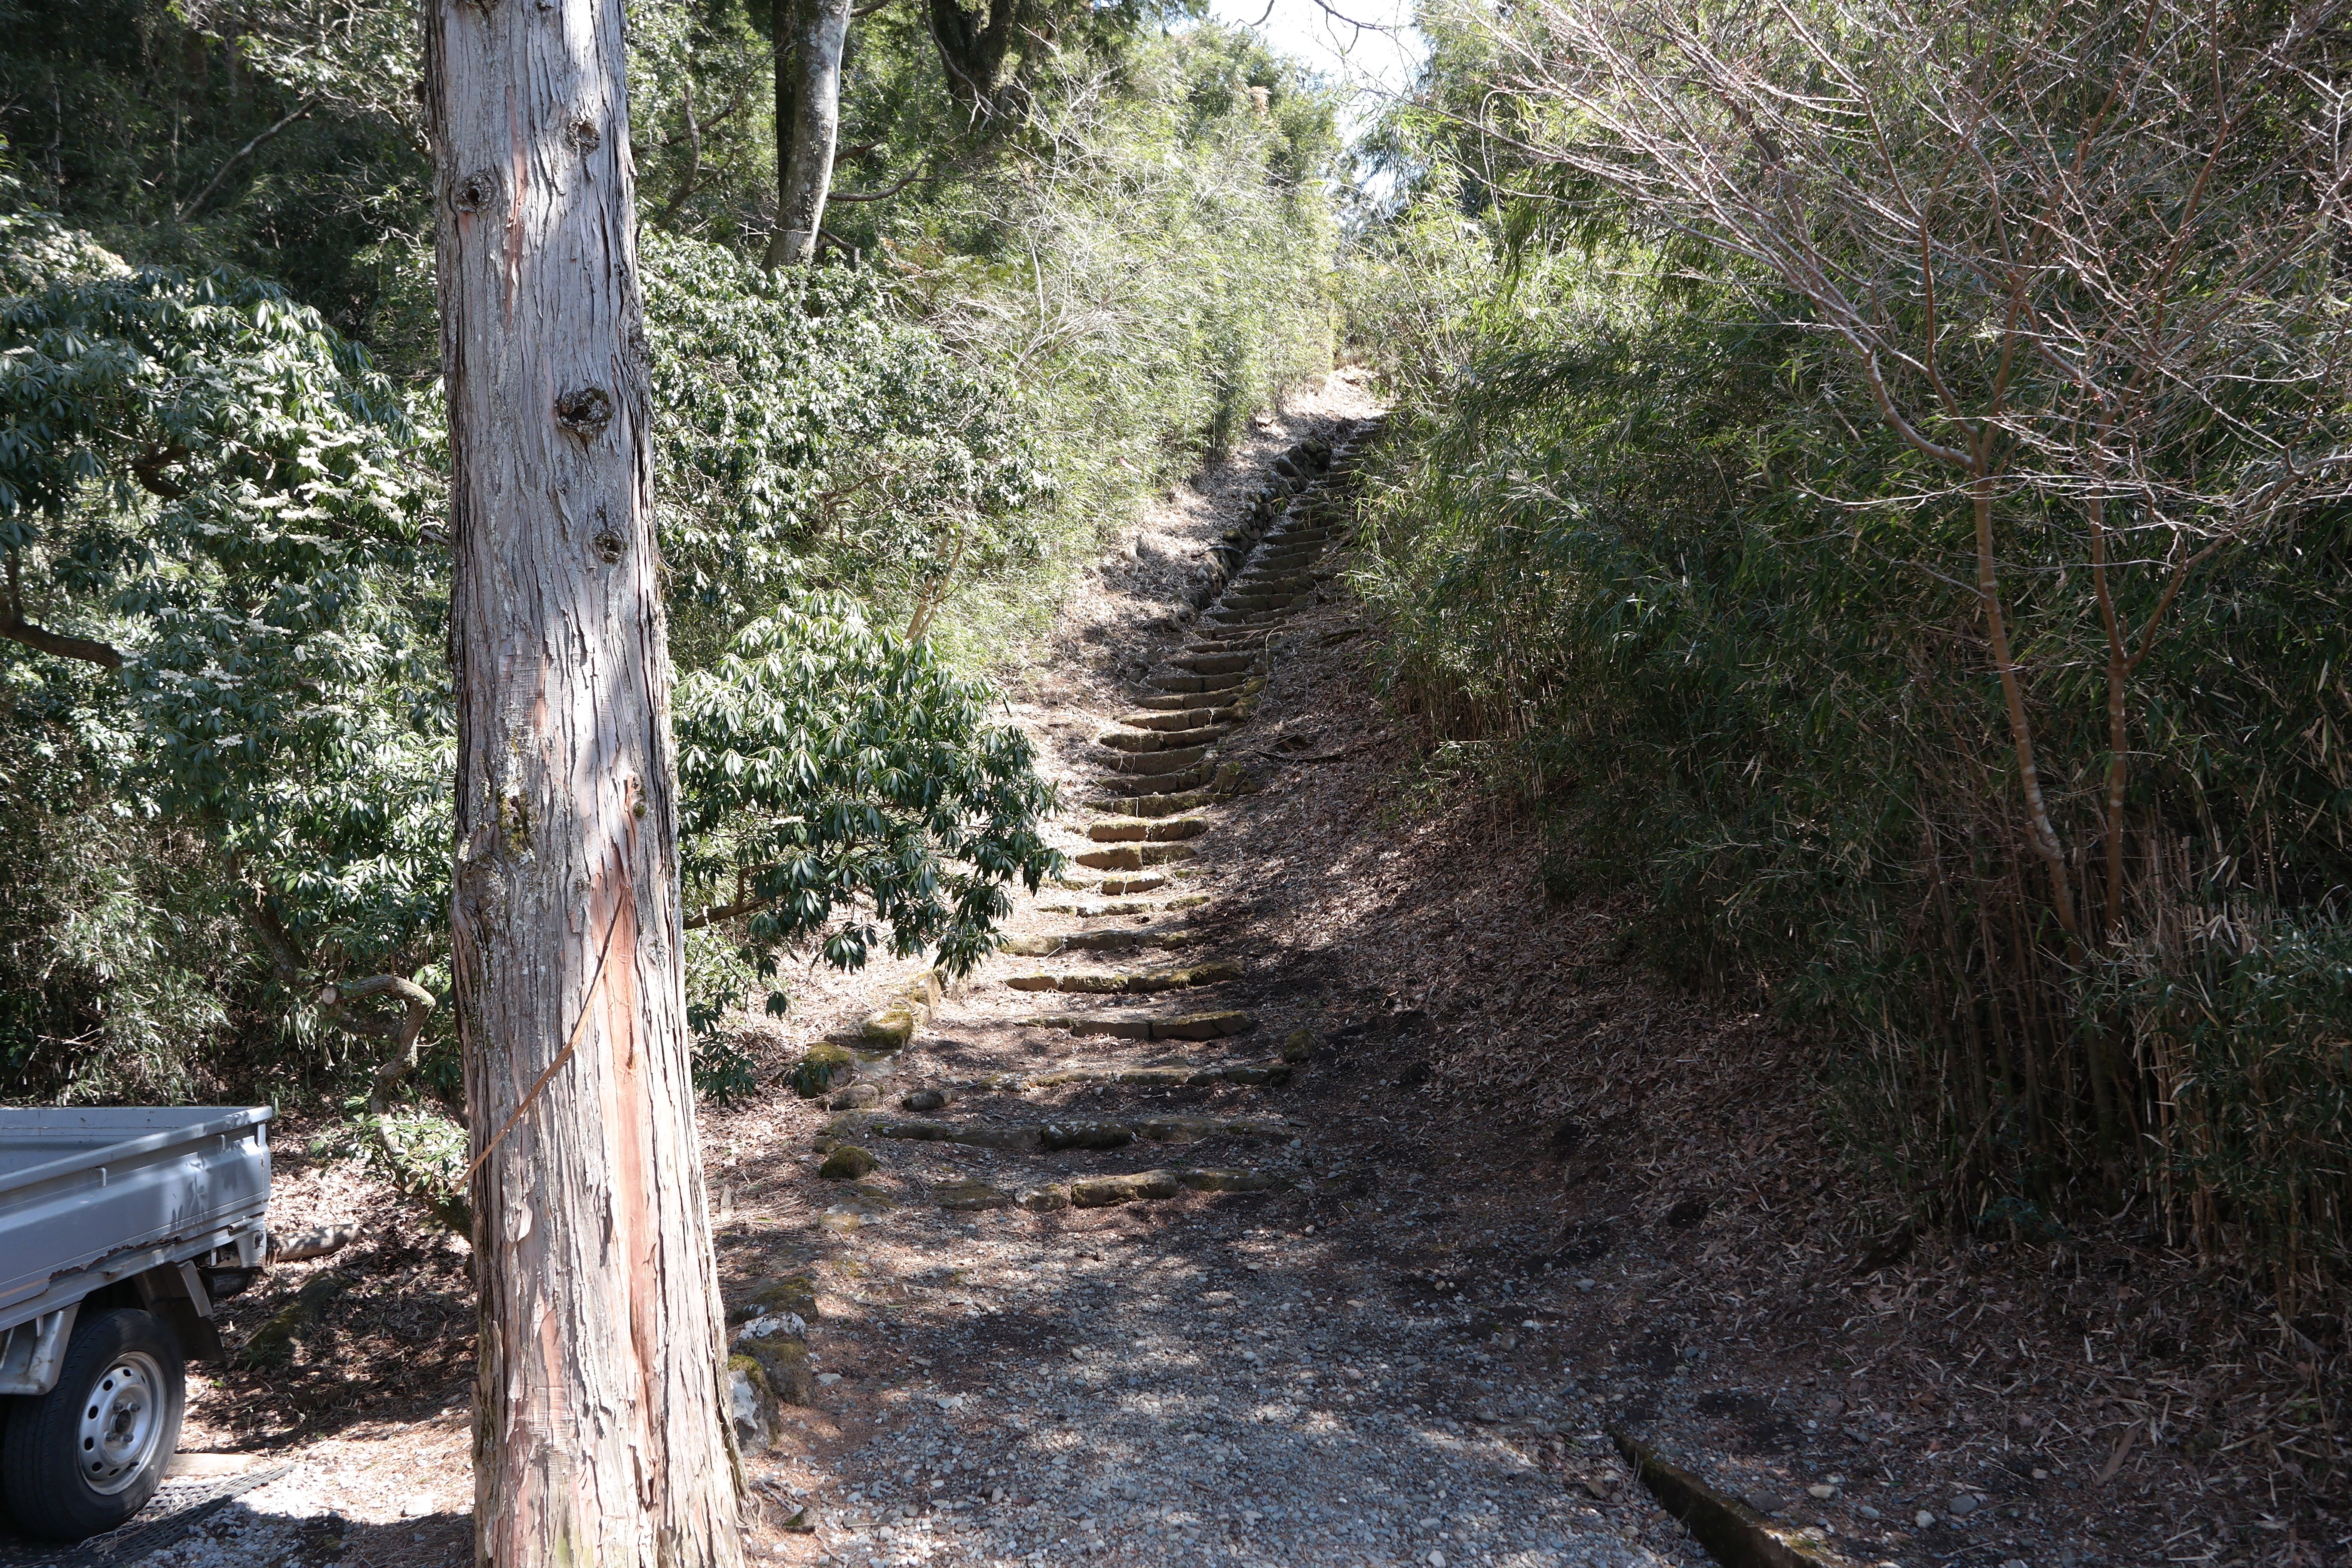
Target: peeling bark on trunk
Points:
x,y
600,1440
811,101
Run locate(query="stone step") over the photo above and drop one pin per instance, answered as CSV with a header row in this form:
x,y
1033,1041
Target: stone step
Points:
x,y
1052,1137
1211,778
1181,682
972,1195
1258,601
1093,1132
1186,780
856,1125
1129,983
1227,696
1113,909
1184,702
1145,1026
1140,741
1133,857
1178,718
1212,663
1164,805
1172,1076
1119,939
1114,886
1173,760
1159,1075
1147,830
1145,1186
1284,581
1244,617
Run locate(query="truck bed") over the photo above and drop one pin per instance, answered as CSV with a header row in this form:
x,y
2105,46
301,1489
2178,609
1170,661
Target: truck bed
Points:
x,y
88,1195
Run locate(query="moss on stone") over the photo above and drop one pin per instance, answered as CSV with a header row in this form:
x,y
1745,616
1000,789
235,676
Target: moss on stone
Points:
x,y
787,1293
783,1363
816,1072
888,1030
845,1163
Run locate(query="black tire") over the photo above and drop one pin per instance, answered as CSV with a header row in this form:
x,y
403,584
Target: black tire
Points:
x,y
88,1455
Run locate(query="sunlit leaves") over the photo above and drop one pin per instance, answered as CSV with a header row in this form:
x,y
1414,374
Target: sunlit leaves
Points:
x,y
841,786
804,428
206,475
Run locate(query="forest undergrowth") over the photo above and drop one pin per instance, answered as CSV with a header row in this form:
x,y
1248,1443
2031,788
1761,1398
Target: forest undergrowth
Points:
x,y
1939,627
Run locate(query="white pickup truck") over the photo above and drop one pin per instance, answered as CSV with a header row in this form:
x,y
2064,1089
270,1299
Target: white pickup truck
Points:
x,y
117,1229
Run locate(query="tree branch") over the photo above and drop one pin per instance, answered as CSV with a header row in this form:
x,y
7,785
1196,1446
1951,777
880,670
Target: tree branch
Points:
x,y
404,1032
16,629
693,160
188,213
148,468
882,195
725,912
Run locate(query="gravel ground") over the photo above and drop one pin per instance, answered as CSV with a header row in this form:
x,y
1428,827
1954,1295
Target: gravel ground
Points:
x,y
1180,1402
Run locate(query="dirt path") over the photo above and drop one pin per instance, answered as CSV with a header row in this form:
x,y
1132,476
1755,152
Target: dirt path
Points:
x,y
1091,1279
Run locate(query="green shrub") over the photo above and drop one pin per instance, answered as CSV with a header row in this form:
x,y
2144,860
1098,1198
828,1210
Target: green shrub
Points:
x,y
829,766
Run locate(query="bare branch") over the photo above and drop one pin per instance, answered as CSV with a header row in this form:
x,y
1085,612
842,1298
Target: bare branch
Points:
x,y
188,213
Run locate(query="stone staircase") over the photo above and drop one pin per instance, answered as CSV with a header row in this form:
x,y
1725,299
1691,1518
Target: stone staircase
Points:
x,y
1183,1351
1157,775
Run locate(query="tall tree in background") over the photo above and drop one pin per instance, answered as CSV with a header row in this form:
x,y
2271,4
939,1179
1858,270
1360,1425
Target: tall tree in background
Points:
x,y
810,37
599,1437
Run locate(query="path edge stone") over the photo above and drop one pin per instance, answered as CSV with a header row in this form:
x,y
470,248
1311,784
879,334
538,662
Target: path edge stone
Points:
x,y
1733,1533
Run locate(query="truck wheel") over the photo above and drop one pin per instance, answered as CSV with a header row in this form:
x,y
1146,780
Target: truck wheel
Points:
x,y
88,1455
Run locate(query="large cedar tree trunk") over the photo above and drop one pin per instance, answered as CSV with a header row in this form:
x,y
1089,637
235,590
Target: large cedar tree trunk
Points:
x,y
599,1435
808,124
